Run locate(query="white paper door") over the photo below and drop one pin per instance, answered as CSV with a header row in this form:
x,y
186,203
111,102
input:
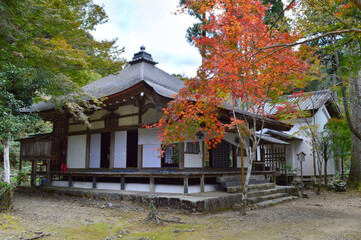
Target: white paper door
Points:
x,y
151,156
94,156
120,149
76,151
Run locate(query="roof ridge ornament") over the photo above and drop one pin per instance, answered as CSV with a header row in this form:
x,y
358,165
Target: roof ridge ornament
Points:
x,y
142,56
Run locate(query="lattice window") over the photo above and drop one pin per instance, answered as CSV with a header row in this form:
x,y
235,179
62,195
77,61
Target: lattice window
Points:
x,y
192,147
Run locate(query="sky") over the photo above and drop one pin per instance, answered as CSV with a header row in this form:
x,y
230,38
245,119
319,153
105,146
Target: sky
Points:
x,y
151,23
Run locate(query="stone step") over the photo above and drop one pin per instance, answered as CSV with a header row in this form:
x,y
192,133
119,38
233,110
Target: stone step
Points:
x,y
261,186
253,200
251,187
264,192
237,183
269,203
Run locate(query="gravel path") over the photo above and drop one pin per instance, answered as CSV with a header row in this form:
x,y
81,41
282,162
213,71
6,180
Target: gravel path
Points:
x,y
51,216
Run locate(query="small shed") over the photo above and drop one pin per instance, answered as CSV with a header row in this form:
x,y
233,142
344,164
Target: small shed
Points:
x,y
43,151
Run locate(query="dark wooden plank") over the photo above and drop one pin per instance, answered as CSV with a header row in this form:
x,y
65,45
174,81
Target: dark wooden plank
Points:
x,y
186,176
202,183
94,182
70,181
122,183
151,185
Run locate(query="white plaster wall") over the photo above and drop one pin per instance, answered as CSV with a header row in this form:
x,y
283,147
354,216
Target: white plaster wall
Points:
x,y
77,128
98,114
151,116
97,125
320,118
124,121
76,151
148,136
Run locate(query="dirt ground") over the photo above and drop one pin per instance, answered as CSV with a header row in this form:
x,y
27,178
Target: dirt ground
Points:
x,y
50,216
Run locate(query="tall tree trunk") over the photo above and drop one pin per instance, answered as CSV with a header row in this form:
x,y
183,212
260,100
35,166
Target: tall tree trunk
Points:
x,y
6,145
354,180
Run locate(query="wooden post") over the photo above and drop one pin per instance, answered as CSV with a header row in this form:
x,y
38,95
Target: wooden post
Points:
x,y
140,157
122,182
21,156
48,177
70,181
87,153
234,156
181,156
94,182
111,150
202,183
186,176
151,185
33,172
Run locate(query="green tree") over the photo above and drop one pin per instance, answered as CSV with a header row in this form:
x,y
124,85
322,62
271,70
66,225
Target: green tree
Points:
x,y
47,50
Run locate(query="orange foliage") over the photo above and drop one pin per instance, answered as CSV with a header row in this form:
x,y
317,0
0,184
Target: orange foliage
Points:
x,y
236,67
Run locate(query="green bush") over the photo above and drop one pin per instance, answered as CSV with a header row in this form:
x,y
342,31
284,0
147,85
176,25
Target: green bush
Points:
x,y
22,177
6,195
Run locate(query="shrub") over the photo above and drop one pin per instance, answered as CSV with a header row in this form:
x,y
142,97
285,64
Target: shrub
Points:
x,y
6,195
22,177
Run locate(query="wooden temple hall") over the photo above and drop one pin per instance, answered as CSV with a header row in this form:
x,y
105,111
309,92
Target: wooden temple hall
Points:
x,y
117,153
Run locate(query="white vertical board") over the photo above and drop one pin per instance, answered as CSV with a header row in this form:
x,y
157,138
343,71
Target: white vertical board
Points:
x,y
76,151
151,156
120,149
94,155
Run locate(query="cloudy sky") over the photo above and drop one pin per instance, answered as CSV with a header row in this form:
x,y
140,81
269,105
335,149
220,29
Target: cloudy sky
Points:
x,y
152,23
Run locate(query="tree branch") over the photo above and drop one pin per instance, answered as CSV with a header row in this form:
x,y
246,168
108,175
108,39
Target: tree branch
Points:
x,y
351,30
357,3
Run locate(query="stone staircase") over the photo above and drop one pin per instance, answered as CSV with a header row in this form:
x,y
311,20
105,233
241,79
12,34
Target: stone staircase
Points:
x,y
262,194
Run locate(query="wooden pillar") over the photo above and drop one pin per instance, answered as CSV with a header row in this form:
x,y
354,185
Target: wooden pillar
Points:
x,y
87,153
204,158
48,176
21,157
234,156
202,183
186,177
94,182
181,156
70,181
33,172
140,157
111,149
122,182
151,185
